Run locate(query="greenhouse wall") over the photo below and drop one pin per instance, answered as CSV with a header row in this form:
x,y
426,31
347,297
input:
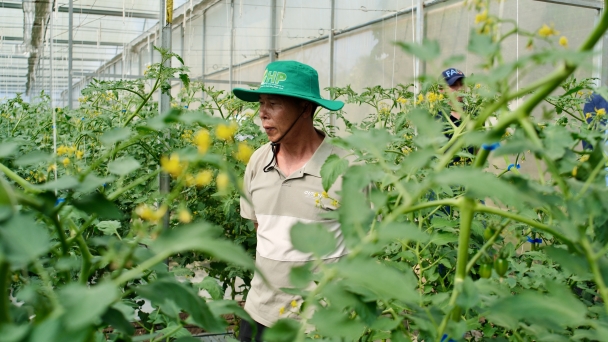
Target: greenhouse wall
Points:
x,y
212,36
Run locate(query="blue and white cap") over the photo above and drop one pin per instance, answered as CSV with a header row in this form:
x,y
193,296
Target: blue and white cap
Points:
x,y
452,75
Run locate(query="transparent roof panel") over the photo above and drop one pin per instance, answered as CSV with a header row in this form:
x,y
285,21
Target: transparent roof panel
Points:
x,y
102,29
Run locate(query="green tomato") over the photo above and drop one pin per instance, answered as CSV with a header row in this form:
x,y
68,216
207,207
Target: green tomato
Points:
x,y
501,266
485,271
488,233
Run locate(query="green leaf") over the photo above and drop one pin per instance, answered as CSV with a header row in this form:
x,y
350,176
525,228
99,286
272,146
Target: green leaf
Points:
x,y
224,307
118,321
108,227
557,140
428,50
8,201
430,130
211,285
34,157
202,237
284,330
14,333
403,231
96,203
312,238
23,239
123,166
115,135
84,305
380,279
556,310
63,183
185,80
469,296
334,322
301,276
333,167
91,182
8,148
168,289
573,264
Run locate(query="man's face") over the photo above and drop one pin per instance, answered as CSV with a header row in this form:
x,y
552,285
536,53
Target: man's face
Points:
x,y
456,87
278,113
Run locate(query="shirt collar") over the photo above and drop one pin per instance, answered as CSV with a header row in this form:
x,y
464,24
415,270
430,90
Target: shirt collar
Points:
x,y
313,166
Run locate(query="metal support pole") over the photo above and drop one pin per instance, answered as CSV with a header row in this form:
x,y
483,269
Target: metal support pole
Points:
x,y
164,99
70,46
231,44
598,54
272,46
419,37
332,115
204,50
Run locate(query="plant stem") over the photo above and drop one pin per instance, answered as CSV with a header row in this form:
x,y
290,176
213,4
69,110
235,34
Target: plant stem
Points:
x,y
595,269
17,179
143,103
5,273
139,181
139,270
485,246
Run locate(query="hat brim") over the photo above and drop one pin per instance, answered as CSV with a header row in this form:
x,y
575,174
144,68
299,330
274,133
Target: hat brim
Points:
x,y
250,95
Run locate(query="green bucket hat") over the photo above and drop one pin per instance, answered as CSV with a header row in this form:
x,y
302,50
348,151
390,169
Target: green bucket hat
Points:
x,y
289,78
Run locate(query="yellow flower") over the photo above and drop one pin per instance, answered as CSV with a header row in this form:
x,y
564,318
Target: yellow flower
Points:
x,y
546,31
244,152
52,167
222,181
190,180
563,41
431,97
420,99
316,194
402,100
588,116
61,150
184,216
575,171
477,86
172,165
335,203
584,158
204,178
324,194
147,213
294,304
317,201
79,154
202,140
65,162
226,132
281,310
481,17
600,112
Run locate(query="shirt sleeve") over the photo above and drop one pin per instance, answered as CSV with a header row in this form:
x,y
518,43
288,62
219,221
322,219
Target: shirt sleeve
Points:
x,y
247,210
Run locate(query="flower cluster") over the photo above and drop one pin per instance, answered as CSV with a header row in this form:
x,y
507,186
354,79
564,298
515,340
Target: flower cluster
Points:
x,y
244,152
226,132
320,197
69,150
149,213
547,31
172,165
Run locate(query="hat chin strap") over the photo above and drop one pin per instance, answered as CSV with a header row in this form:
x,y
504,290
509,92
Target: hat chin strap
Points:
x,y
275,144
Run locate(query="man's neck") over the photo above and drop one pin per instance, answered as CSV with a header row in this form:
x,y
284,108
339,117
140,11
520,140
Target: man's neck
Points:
x,y
297,151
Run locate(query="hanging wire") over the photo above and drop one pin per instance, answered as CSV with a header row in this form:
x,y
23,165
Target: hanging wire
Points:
x,y
51,94
394,52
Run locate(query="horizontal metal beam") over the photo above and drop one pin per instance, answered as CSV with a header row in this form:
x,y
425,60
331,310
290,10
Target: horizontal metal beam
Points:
x,y
593,4
65,41
91,11
56,58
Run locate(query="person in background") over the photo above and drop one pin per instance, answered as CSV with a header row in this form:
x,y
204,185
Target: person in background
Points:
x,y
595,104
282,186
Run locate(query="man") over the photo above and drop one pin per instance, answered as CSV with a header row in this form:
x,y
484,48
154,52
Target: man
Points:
x,y
283,186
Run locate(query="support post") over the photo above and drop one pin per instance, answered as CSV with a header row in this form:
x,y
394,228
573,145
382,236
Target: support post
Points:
x,y
419,37
164,99
70,48
231,44
272,44
598,54
332,115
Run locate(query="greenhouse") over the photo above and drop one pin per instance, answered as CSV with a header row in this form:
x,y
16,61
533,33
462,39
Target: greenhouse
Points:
x,y
296,170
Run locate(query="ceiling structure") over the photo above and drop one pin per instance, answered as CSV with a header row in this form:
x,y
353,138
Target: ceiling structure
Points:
x,y
102,29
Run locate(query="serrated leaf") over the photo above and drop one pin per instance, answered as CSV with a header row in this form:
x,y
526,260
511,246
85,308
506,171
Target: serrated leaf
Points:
x,y
23,239
185,80
123,166
34,157
202,237
211,285
333,167
168,289
96,203
63,183
312,238
7,149
108,227
284,330
482,44
118,321
84,305
115,135
334,322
